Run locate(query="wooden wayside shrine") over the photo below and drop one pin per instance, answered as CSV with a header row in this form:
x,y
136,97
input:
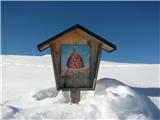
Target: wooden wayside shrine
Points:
x,y
76,56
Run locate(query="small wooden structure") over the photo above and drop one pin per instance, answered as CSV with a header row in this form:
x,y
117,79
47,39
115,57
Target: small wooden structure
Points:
x,y
76,56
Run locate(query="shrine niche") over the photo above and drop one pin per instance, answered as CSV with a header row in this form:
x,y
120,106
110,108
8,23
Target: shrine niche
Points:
x,y
75,69
76,56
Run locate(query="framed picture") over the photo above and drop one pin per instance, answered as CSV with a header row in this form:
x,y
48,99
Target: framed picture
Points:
x,y
75,65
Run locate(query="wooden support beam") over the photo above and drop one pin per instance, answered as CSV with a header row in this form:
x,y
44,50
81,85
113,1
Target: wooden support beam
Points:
x,y
75,96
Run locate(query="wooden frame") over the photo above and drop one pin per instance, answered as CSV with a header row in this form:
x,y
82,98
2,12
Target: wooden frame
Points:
x,y
77,36
94,65
85,62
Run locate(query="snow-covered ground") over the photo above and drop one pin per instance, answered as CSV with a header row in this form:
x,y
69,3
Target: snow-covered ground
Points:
x,y
123,91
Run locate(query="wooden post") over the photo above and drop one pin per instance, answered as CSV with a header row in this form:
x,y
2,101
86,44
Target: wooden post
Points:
x,y
75,96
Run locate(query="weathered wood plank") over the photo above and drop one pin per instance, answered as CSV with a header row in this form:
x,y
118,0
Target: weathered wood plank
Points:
x,y
75,96
55,68
98,57
76,38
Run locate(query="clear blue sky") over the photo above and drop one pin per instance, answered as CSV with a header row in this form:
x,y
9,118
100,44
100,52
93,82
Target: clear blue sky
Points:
x,y
132,26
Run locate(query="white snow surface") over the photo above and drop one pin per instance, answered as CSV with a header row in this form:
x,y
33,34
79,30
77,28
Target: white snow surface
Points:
x,y
123,92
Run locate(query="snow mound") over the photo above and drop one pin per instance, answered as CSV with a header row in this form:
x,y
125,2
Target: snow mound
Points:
x,y
9,111
46,93
125,101
111,100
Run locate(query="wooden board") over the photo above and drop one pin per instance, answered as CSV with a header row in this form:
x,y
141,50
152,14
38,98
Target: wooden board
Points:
x,y
74,38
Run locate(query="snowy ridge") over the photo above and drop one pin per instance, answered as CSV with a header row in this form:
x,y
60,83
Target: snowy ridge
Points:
x,y
124,91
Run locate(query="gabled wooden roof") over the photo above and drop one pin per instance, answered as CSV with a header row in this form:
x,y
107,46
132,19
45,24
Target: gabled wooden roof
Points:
x,y
44,45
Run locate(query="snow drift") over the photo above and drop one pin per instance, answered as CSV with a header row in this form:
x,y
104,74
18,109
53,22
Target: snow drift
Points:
x,y
111,100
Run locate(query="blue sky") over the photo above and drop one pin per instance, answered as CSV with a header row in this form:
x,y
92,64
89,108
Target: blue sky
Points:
x,y
132,26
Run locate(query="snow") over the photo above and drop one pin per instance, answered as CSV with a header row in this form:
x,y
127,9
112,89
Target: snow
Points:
x,y
123,91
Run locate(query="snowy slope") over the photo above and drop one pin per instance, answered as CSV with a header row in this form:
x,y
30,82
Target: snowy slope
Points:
x,y
124,91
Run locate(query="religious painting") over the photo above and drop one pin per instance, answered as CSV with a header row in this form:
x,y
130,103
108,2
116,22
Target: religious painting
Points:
x,y
75,65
